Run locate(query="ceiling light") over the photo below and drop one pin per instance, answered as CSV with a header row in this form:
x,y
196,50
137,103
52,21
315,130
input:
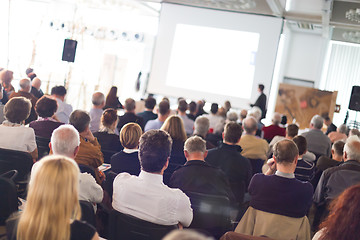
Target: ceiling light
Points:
x,y
352,36
353,15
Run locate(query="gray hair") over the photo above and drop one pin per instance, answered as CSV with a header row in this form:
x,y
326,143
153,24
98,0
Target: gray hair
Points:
x,y
354,132
343,129
97,98
186,234
64,140
352,148
256,113
25,84
317,121
232,116
250,124
276,118
195,144
201,126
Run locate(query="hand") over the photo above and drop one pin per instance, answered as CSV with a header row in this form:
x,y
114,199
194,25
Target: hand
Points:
x,y
88,135
272,167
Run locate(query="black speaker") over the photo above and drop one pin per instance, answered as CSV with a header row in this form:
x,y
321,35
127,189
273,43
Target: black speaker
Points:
x,y
69,50
354,103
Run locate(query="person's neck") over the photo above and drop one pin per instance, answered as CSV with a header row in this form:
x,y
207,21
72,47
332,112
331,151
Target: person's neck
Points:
x,y
162,118
148,109
337,158
130,111
285,168
181,113
229,143
97,107
288,137
196,156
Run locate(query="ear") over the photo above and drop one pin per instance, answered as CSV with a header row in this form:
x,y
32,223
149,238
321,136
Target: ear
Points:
x,y
345,156
76,151
223,134
274,158
166,164
50,146
205,154
296,159
186,154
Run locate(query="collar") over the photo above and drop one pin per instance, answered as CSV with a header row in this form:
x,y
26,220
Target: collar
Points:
x,y
10,124
233,147
126,150
354,162
285,175
107,130
195,162
46,119
151,177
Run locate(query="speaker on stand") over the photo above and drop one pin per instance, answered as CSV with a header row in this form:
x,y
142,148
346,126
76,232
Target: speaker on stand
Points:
x,y
68,55
354,104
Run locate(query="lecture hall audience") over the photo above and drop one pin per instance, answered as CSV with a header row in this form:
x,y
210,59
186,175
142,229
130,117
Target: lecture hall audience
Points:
x,y
129,115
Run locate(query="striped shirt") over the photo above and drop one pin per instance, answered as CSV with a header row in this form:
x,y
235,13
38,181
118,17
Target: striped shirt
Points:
x,y
305,170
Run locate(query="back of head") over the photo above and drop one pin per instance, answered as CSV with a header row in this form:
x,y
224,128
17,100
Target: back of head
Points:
x,y
80,120
250,125
150,103
283,120
7,76
154,150
232,116
29,70
301,143
175,127
261,87
108,117
227,105
201,126
185,234
285,151
342,129
46,107
255,112
64,140
59,91
98,98
130,134
164,107
25,85
338,147
276,118
111,98
192,106
232,132
352,148
292,130
354,132
214,108
52,200
17,109
317,122
36,83
243,113
195,144
182,106
130,104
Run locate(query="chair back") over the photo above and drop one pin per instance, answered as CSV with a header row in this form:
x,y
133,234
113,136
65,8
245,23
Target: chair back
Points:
x,y
16,160
126,227
256,165
211,213
8,199
43,146
87,212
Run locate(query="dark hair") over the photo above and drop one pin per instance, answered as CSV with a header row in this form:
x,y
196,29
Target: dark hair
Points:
x,y
338,147
130,104
292,130
232,132
343,221
301,143
164,107
111,98
261,87
17,109
182,105
285,151
29,70
58,90
154,150
80,120
46,106
192,106
214,108
327,118
283,119
108,117
150,103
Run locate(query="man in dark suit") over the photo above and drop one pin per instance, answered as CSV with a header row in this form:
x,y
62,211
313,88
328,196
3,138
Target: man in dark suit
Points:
x,y
228,158
148,114
130,115
261,101
197,175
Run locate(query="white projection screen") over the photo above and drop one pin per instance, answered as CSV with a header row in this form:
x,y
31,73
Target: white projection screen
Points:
x,y
213,55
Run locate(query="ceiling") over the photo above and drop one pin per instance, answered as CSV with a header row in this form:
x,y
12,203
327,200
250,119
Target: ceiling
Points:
x,y
326,17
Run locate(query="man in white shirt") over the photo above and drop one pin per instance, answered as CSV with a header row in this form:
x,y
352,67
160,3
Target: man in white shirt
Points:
x,y
146,197
98,101
64,110
188,123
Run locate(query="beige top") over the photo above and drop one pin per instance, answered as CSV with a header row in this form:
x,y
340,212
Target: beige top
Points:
x,y
254,147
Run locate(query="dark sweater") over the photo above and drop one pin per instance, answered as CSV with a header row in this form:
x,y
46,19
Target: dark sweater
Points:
x,y
125,162
279,195
44,128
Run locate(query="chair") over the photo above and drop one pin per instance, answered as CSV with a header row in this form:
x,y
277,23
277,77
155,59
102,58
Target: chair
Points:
x,y
16,160
87,213
211,213
8,199
43,146
256,165
107,155
126,227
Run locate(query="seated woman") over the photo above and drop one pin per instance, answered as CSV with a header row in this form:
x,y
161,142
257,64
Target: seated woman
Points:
x,y
112,101
15,136
106,136
127,160
45,107
175,127
52,210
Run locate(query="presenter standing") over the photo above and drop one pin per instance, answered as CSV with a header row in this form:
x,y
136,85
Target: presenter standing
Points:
x,y
261,101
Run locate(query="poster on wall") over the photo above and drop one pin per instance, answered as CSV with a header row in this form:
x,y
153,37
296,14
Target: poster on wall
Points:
x,y
300,104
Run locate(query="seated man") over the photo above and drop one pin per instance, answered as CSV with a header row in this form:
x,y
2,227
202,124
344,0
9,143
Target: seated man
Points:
x,y
163,113
305,170
337,152
129,115
274,129
339,134
148,113
201,129
64,110
228,158
188,123
96,111
146,196
197,175
90,150
279,196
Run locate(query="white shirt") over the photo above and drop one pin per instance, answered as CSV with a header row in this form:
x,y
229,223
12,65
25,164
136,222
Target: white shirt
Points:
x,y
95,116
18,137
214,120
64,110
89,190
148,198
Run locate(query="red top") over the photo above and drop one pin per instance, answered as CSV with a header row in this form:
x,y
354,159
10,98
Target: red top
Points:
x,y
273,130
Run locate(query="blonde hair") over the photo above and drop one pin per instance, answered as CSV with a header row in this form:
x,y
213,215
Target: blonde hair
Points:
x,y
175,127
52,201
130,134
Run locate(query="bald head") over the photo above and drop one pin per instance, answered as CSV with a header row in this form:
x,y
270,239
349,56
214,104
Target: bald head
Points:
x,y
36,83
285,151
98,99
243,114
65,140
25,85
250,125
